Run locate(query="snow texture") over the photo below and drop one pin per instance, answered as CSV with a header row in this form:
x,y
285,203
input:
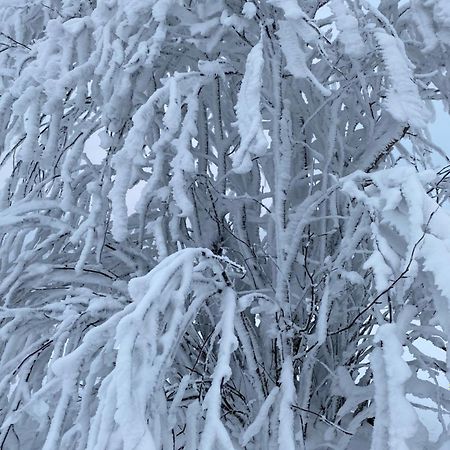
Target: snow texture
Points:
x,y
224,225
403,100
249,121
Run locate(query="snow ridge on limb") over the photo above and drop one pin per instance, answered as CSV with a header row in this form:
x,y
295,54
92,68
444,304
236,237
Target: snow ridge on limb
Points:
x,y
347,24
397,425
291,9
292,47
424,21
248,112
403,99
286,431
215,431
262,416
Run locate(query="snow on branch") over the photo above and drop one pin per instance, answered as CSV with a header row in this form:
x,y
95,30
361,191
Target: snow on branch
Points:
x,y
248,112
296,59
403,100
397,425
347,25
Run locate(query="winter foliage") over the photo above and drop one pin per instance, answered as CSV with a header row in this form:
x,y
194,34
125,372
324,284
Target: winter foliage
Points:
x,y
224,225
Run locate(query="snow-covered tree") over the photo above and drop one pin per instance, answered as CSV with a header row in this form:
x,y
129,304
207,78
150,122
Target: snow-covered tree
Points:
x,y
224,225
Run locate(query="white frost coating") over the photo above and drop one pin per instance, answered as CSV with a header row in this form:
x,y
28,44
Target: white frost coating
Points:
x,y
381,424
249,10
172,116
291,9
324,310
261,417
395,188
248,112
183,162
124,163
441,10
382,271
291,46
424,227
161,8
436,253
192,416
424,22
286,432
172,418
403,98
214,431
391,372
128,396
347,24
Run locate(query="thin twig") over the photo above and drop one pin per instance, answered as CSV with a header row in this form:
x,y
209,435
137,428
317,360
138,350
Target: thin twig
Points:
x,y
323,419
